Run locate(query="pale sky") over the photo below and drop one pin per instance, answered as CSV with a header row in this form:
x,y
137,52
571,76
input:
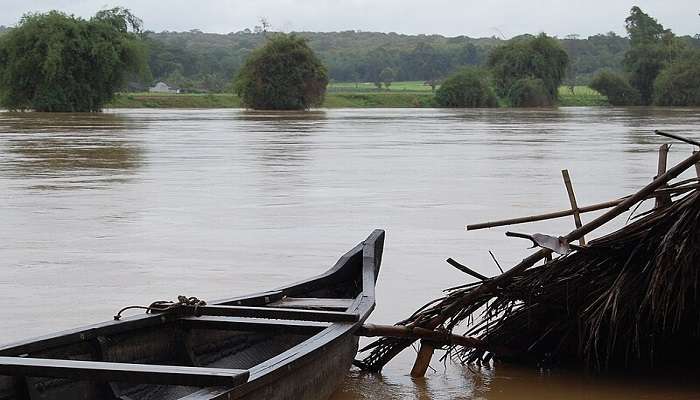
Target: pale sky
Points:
x,y
446,17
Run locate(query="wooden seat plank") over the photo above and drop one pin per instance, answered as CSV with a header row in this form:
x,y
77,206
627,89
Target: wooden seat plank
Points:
x,y
254,324
122,372
313,303
278,313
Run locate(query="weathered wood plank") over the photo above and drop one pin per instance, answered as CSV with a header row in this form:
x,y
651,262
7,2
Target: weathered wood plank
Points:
x,y
122,372
313,303
278,313
85,333
254,324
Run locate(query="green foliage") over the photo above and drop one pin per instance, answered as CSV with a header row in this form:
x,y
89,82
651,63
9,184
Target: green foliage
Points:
x,y
387,76
527,60
285,74
468,87
653,47
679,83
642,28
59,63
529,92
616,88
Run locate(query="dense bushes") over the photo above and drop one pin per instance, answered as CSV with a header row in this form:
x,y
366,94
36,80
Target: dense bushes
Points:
x,y
616,88
679,83
59,63
468,87
529,93
285,74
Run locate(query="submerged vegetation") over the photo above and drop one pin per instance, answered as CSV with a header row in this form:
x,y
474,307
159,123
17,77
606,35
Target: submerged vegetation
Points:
x,y
469,87
285,74
60,63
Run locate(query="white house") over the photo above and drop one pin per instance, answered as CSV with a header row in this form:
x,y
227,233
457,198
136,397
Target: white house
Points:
x,y
161,87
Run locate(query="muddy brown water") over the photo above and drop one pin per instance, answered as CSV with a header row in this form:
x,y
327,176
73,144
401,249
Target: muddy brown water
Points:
x,y
130,206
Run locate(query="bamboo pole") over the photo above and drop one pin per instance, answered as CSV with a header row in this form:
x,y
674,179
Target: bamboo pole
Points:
x,y
572,201
566,213
542,217
662,199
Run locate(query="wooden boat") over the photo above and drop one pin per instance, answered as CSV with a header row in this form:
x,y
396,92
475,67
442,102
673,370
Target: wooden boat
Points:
x,y
295,342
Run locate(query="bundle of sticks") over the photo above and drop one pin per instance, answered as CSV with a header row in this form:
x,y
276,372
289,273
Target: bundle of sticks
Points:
x,y
628,298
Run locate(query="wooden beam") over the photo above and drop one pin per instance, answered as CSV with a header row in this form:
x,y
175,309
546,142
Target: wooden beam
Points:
x,y
278,313
122,372
572,202
254,324
425,354
401,331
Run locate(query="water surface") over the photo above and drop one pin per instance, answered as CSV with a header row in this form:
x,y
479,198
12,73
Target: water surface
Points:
x,y
131,206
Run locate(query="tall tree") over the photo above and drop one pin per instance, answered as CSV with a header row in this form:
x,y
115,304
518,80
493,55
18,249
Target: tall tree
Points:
x,y
652,48
59,63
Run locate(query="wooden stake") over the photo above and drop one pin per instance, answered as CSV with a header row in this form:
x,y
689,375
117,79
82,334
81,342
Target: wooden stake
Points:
x,y
572,201
662,199
425,354
697,167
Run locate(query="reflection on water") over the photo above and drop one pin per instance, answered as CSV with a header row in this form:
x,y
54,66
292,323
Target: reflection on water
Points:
x,y
68,151
216,203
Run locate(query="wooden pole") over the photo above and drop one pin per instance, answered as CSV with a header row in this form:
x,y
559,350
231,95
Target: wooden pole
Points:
x,y
402,331
697,167
572,201
425,354
662,199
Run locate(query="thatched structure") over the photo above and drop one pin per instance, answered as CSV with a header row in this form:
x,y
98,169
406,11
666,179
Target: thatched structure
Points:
x,y
627,299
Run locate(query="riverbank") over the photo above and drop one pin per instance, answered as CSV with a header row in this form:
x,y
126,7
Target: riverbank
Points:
x,y
338,96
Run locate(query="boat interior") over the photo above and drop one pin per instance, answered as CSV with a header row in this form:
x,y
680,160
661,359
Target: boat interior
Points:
x,y
174,354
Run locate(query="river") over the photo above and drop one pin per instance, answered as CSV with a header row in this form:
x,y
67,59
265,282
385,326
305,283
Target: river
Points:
x,y
129,206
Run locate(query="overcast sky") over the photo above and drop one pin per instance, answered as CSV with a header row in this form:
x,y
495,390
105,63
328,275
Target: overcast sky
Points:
x,y
447,17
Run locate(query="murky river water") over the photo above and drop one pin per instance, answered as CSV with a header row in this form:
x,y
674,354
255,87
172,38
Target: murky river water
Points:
x,y
99,211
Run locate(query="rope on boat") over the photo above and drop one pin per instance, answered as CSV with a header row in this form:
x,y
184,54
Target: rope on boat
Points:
x,y
165,306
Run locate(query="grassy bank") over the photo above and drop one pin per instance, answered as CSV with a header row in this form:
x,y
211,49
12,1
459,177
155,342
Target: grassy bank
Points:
x,y
333,100
340,95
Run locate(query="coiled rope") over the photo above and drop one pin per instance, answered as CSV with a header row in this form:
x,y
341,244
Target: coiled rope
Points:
x,y
167,306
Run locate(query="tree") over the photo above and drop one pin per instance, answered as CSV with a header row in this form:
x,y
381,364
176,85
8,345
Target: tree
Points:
x,y
679,83
59,63
387,76
468,87
616,88
540,58
285,74
652,48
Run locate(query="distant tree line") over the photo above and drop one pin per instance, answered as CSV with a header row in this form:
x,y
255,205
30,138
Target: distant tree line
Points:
x,y
199,61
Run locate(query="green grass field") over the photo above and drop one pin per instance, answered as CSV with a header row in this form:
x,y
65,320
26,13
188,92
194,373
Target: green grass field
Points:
x,y
407,86
340,95
582,96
